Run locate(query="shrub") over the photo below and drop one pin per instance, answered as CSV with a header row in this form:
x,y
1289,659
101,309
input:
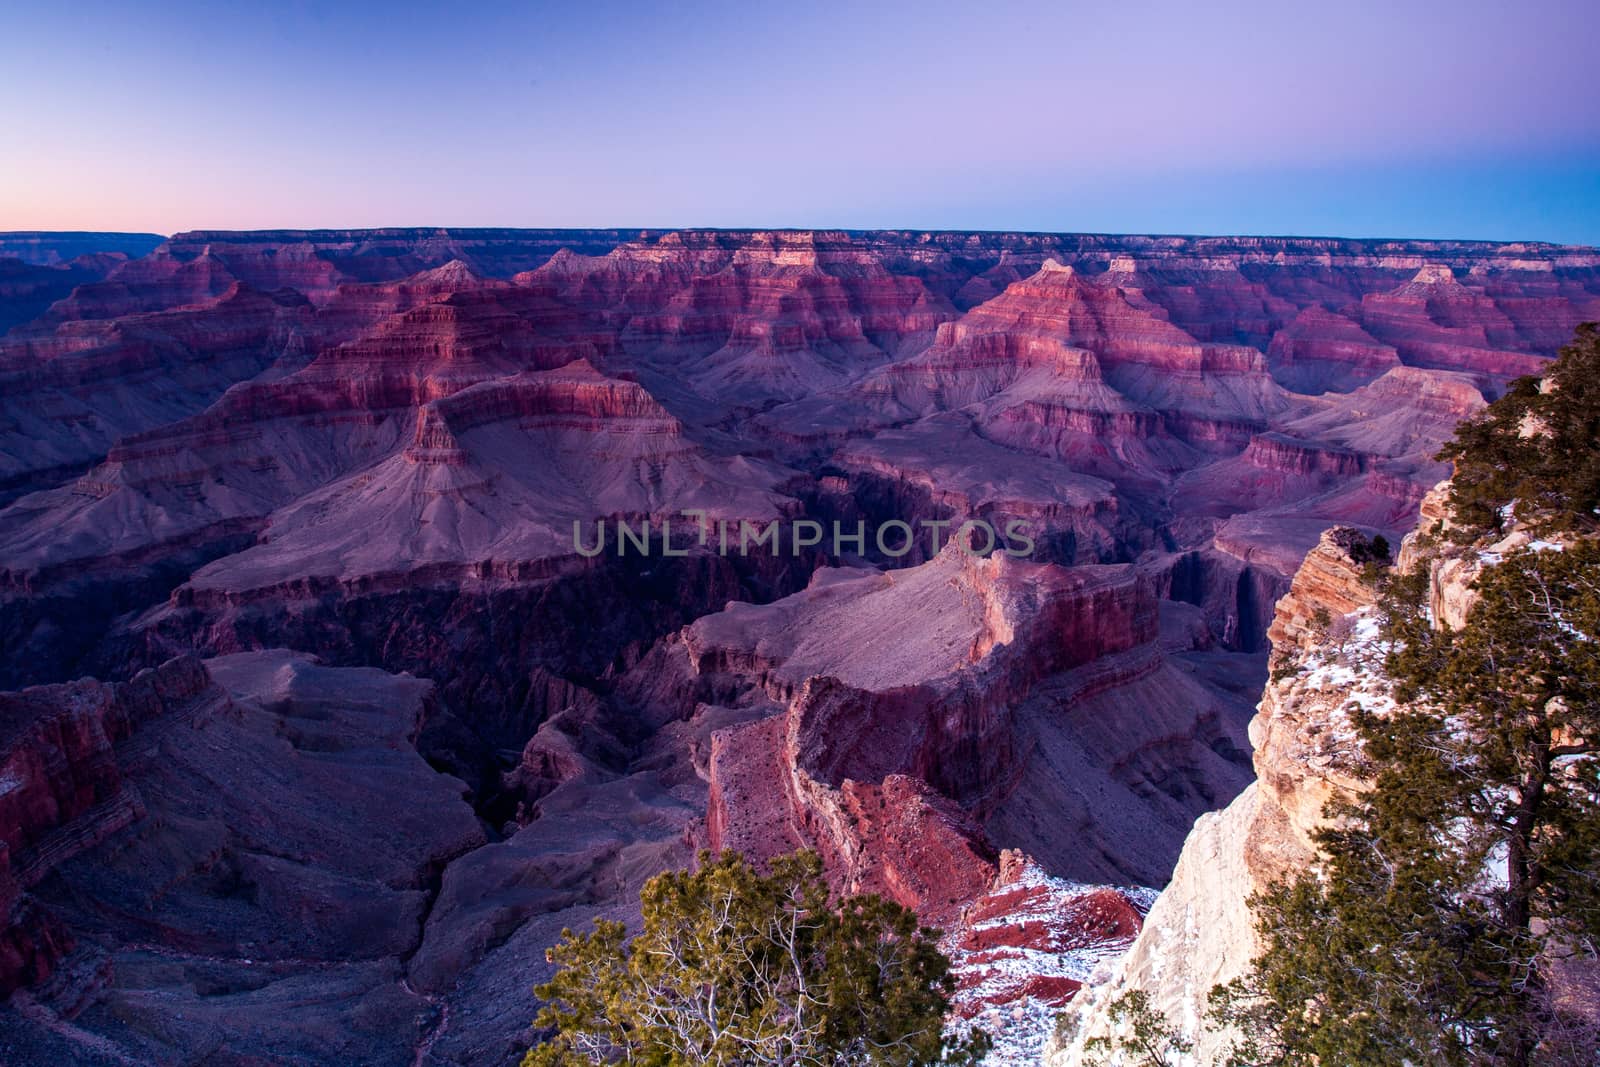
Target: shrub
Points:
x,y
736,967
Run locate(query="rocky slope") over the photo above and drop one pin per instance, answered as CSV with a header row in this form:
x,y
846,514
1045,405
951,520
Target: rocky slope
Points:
x,y
62,791
1024,949
913,758
239,864
345,469
991,701
1328,659
27,289
1199,932
39,269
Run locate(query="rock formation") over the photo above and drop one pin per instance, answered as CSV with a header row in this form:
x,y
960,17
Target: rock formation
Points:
x,y
909,758
1024,949
1328,658
146,370
210,843
359,474
28,287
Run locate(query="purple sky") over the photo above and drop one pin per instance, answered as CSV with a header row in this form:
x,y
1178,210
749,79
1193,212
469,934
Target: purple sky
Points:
x,y
1459,119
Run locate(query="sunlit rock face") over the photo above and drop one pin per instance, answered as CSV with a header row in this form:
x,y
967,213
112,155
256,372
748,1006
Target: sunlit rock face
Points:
x,y
344,704
1328,658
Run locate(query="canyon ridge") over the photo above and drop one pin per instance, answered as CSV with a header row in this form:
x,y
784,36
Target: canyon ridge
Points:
x,y
323,716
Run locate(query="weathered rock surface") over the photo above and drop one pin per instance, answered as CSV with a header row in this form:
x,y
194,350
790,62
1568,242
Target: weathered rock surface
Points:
x,y
1022,951
905,756
1199,931
28,286
244,860
69,395
62,791
1063,712
372,447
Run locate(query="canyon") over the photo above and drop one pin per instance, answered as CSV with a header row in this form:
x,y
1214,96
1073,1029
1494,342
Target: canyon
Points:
x,y
1329,660
319,725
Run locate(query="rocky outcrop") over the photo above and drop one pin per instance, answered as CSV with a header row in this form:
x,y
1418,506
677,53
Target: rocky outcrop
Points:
x,y
67,396
1073,345
1436,320
62,791
154,282
1027,696
277,833
1199,932
901,766
59,741
1024,948
1322,351
1096,392
191,266
750,318
28,286
374,447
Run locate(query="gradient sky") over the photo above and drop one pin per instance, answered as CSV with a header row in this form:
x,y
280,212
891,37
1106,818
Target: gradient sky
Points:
x,y
1469,118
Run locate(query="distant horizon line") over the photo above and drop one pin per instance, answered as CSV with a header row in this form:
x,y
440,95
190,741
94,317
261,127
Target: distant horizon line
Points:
x,y
662,230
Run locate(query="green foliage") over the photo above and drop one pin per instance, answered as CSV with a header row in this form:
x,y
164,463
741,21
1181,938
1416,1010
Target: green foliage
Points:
x,y
1512,704
1251,1028
1534,448
1448,893
1375,559
1321,621
736,967
1362,549
1141,1036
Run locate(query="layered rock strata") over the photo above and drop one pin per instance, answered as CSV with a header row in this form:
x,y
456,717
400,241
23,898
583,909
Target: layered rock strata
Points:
x,y
373,446
1328,659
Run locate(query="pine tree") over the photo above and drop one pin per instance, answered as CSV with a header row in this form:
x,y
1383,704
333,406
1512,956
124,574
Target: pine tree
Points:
x,y
1141,1036
736,967
1532,454
1450,893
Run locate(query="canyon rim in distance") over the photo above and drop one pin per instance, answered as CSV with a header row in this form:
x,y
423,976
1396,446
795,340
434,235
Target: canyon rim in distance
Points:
x,y
974,471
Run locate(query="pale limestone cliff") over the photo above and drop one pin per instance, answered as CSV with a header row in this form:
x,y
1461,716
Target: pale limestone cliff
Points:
x,y
1327,659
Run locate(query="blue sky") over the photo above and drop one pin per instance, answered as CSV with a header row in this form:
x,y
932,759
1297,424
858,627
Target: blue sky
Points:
x,y
1462,119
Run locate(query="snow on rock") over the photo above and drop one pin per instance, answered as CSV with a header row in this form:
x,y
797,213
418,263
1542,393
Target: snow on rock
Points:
x,y
1023,950
1198,933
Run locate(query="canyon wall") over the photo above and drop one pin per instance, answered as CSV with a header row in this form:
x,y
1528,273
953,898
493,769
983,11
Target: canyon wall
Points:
x,y
1328,659
62,791
345,468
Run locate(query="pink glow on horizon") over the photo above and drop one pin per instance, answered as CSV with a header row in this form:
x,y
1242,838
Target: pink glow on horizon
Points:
x,y
1460,119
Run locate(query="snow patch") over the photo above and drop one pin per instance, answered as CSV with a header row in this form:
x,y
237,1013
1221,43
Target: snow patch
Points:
x,y
1015,966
